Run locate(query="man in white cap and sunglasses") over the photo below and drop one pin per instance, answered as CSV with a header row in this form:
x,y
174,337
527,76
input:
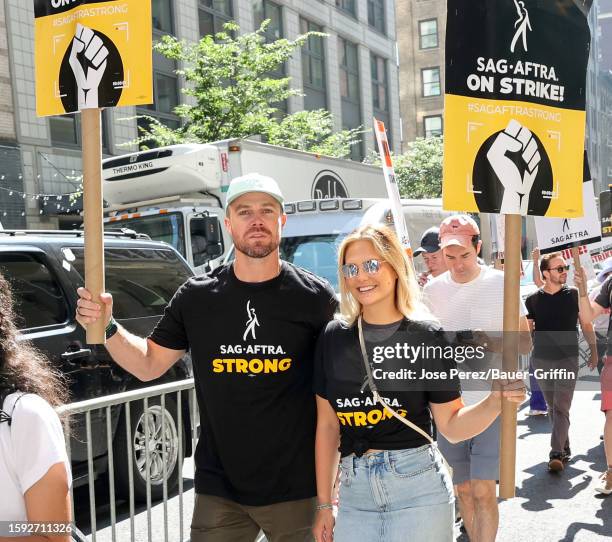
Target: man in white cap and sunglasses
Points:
x,y
251,327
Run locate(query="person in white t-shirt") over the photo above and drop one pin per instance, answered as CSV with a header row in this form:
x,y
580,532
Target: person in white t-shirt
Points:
x,y
468,299
35,473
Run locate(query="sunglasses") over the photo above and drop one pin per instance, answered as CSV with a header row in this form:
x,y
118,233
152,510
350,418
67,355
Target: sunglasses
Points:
x,y
371,267
559,269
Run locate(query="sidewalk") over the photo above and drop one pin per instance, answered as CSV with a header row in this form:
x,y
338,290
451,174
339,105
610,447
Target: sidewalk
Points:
x,y
559,507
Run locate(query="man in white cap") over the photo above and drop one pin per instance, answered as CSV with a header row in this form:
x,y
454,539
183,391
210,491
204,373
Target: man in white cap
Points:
x,y
469,300
251,327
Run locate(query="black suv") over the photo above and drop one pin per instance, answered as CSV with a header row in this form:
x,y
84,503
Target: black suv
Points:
x,y
45,269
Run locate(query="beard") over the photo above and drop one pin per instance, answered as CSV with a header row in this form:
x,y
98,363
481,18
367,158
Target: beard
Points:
x,y
259,248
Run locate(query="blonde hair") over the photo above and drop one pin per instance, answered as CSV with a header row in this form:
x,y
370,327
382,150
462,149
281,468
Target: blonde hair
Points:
x,y
407,293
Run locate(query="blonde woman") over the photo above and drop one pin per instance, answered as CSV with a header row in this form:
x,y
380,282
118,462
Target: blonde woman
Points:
x,y
394,485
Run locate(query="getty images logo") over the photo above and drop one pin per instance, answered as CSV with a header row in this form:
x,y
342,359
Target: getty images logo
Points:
x,y
252,322
522,24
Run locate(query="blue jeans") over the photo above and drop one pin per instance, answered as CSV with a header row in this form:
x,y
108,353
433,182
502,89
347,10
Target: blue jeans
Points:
x,y
395,496
536,399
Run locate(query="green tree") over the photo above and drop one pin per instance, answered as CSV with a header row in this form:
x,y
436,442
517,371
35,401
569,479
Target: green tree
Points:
x,y
232,94
419,169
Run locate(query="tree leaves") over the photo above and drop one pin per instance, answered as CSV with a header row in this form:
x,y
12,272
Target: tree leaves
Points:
x,y
419,169
234,88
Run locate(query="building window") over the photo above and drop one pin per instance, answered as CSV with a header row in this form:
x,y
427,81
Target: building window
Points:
x,y
379,83
212,15
380,103
262,10
432,126
313,68
66,130
431,81
165,82
165,99
348,60
428,34
347,5
165,94
376,14
349,70
162,15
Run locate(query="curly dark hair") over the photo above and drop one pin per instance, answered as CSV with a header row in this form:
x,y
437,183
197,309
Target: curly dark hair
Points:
x,y
22,367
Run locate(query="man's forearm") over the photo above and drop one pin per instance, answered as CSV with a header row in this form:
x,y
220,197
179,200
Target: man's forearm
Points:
x,y
589,334
525,342
130,352
585,308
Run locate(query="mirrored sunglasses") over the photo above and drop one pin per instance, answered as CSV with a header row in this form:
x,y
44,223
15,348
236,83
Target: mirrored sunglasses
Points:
x,y
351,270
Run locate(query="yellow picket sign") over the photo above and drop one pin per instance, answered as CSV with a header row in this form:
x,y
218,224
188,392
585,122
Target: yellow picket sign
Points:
x,y
515,106
91,53
481,126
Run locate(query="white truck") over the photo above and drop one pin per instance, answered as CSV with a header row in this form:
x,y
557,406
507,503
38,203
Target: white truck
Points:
x,y
177,193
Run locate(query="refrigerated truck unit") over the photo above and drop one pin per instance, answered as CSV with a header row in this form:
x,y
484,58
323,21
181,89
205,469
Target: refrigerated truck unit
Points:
x,y
177,193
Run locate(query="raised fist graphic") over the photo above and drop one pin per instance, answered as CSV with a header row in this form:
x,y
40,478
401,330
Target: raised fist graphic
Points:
x,y
517,186
88,62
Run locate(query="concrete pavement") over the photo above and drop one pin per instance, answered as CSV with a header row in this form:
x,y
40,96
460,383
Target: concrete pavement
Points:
x,y
559,507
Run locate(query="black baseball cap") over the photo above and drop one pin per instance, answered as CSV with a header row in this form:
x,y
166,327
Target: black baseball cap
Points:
x,y
430,241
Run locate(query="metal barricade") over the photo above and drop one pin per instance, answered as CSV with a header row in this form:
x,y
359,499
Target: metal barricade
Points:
x,y
179,391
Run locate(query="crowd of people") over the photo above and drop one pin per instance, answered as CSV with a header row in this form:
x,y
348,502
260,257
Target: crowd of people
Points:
x,y
368,426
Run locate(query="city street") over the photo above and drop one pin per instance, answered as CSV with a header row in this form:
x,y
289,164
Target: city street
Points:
x,y
548,507
559,507
193,191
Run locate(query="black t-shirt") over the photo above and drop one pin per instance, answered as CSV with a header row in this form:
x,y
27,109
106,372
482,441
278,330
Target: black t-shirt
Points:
x,y
555,317
603,300
252,346
340,376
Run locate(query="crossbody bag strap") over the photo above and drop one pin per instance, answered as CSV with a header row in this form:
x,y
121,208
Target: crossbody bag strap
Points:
x,y
377,398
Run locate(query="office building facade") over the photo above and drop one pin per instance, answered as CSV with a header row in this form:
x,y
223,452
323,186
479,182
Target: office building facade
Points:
x,y
352,72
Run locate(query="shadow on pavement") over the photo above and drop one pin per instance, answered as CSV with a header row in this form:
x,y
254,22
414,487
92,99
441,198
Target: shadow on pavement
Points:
x,y
536,425
544,486
595,457
604,514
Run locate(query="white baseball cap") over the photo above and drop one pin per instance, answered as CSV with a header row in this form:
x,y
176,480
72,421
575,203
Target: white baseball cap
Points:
x,y
253,182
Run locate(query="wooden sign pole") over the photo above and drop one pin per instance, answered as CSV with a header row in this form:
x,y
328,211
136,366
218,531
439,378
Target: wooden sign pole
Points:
x,y
512,272
577,268
92,214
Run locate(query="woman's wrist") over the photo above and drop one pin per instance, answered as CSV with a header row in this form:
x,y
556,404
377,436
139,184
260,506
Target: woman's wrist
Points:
x,y
325,506
494,400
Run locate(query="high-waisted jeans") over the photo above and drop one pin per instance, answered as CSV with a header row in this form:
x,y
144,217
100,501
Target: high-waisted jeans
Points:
x,y
395,496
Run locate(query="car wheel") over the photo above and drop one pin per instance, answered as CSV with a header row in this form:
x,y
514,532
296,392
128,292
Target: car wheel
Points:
x,y
163,449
